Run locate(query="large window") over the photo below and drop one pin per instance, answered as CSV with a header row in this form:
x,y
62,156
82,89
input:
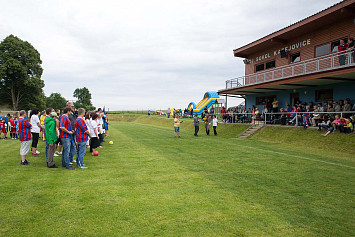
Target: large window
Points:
x,y
324,95
296,57
259,67
322,49
270,64
264,66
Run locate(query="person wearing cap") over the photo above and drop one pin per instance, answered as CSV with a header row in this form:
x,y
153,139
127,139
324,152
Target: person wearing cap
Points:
x,y
51,136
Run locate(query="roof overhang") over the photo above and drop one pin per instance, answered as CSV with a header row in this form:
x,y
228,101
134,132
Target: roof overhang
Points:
x,y
338,12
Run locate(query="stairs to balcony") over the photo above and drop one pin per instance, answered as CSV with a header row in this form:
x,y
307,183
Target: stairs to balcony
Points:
x,y
249,131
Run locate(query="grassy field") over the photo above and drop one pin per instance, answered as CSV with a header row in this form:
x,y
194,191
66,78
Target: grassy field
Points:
x,y
279,182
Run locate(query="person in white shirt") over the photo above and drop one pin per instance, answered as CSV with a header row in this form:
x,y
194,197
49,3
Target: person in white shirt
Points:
x,y
93,133
35,130
102,129
88,124
214,123
99,129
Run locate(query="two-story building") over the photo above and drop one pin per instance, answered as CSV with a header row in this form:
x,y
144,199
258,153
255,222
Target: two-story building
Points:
x,y
300,62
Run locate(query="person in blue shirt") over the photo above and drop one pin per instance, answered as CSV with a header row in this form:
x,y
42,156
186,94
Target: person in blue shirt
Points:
x,y
106,124
7,118
212,111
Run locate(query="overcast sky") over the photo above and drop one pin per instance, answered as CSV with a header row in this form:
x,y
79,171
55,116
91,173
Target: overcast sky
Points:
x,y
145,54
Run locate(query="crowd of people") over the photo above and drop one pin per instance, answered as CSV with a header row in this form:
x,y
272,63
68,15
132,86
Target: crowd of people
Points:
x,y
66,134
340,114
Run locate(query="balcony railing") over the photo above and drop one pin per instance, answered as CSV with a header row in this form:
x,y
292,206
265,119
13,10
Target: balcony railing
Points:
x,y
319,64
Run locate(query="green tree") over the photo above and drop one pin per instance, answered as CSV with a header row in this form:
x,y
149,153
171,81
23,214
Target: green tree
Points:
x,y
21,85
84,99
56,101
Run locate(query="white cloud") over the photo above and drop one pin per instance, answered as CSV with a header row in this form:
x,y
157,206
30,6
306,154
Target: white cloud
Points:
x,y
145,54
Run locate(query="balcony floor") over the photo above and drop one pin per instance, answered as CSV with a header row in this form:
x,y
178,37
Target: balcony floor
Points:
x,y
310,80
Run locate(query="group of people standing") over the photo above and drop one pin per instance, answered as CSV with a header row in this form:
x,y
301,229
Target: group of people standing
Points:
x,y
8,124
208,119
342,47
70,130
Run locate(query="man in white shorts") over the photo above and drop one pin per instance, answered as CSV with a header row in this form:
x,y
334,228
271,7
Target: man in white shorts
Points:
x,y
24,132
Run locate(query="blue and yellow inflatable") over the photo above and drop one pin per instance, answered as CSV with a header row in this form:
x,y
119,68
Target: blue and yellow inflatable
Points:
x,y
208,100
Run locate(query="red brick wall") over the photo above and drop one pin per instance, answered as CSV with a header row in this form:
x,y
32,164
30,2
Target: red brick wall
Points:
x,y
317,37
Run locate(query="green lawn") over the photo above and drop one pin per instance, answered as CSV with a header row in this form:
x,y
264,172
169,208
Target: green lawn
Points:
x,y
149,183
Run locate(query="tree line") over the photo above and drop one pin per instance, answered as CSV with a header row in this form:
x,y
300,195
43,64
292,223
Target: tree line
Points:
x,y
21,84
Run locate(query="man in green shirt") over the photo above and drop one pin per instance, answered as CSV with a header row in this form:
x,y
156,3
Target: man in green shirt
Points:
x,y
51,135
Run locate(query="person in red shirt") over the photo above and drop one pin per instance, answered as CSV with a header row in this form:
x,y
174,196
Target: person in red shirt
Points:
x,y
3,128
341,51
66,137
295,115
12,128
82,134
223,112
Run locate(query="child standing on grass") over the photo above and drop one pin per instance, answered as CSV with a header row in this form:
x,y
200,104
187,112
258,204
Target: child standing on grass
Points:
x,y
207,124
42,118
24,132
177,125
12,128
196,124
99,130
93,133
214,123
16,127
88,125
3,128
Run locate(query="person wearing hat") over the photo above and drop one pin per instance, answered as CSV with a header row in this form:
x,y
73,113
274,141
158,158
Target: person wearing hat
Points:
x,y
51,136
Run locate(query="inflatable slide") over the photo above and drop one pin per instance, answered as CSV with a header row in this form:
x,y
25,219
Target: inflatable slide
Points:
x,y
208,100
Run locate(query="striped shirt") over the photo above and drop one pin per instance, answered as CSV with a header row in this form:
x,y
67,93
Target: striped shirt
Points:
x,y
64,123
81,128
342,47
24,130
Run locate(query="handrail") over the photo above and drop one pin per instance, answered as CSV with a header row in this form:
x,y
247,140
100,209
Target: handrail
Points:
x,y
260,77
263,120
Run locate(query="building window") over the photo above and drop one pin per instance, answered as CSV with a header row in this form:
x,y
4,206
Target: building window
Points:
x,y
264,66
322,49
259,67
262,100
296,57
324,95
270,64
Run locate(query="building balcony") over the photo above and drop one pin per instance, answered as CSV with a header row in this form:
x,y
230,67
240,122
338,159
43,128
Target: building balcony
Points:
x,y
315,66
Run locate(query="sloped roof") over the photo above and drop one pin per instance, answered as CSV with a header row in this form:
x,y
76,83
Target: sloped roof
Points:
x,y
337,12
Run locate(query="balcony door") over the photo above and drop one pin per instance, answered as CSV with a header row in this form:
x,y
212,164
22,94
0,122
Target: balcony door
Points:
x,y
294,98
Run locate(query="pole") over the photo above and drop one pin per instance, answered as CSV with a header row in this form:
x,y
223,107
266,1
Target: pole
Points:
x,y
265,118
